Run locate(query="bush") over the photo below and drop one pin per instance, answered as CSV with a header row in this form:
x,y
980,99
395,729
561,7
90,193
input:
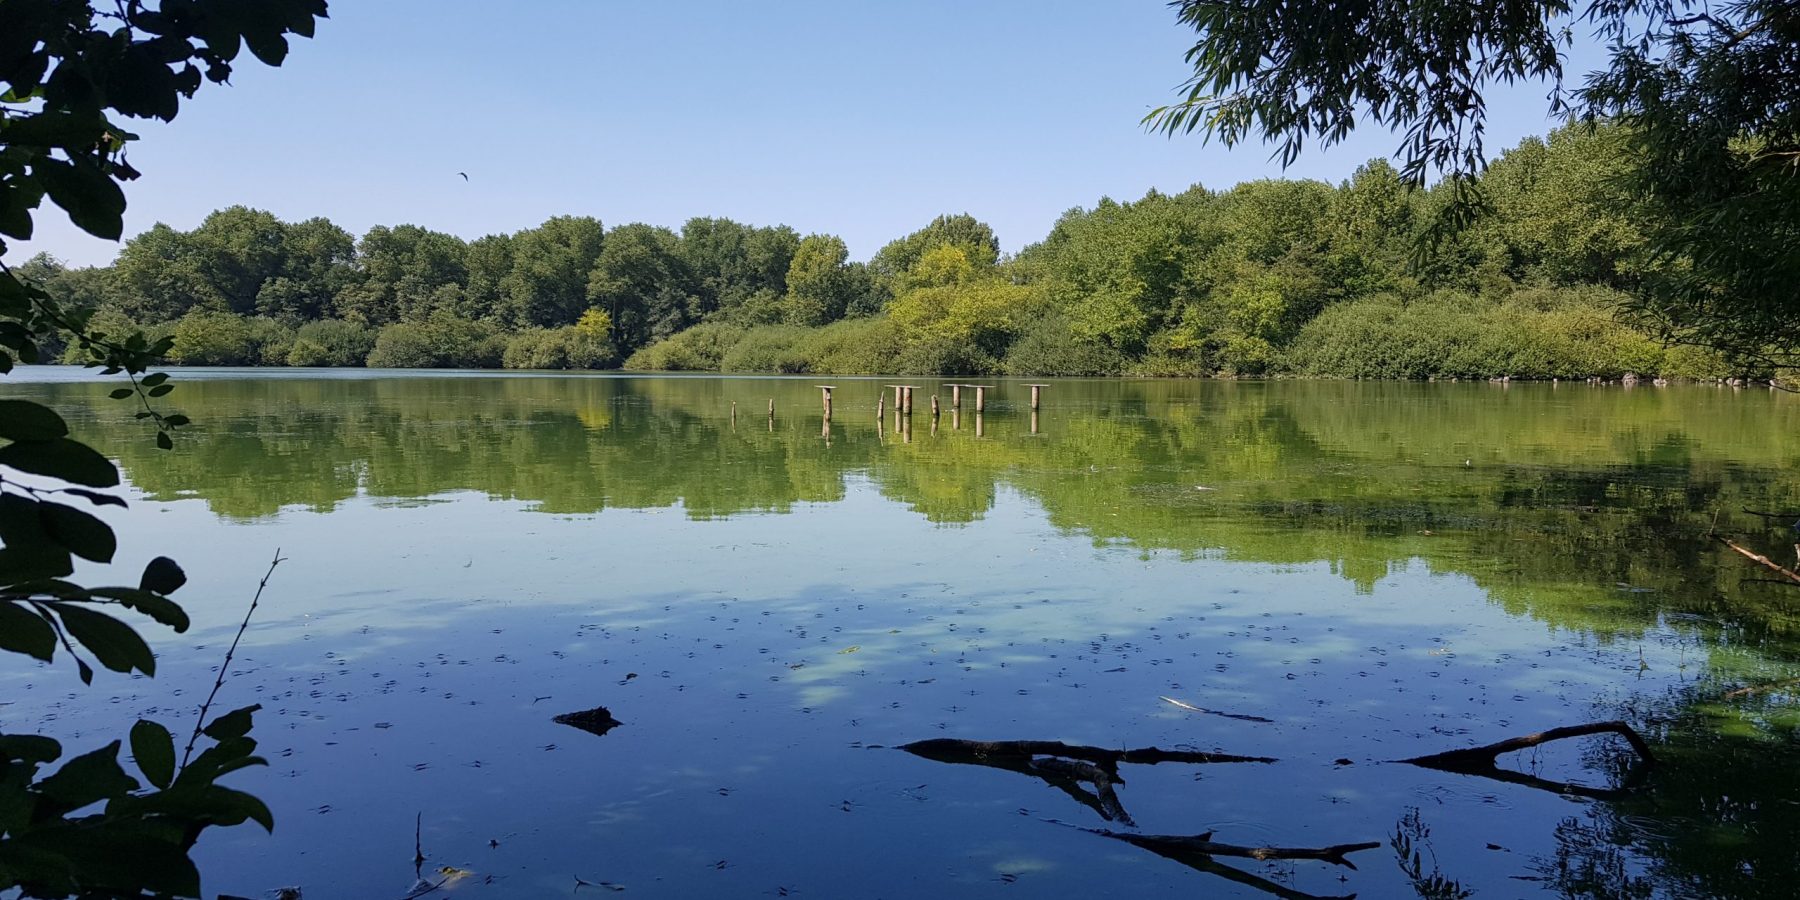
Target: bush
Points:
x,y
770,348
852,347
1534,333
568,347
944,356
331,342
1049,347
206,338
443,341
701,348
274,341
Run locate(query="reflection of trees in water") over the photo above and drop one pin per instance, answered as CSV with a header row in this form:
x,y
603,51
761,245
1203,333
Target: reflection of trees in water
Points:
x,y
1573,505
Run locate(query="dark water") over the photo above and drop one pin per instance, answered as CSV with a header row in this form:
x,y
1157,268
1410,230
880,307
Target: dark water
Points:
x,y
1379,571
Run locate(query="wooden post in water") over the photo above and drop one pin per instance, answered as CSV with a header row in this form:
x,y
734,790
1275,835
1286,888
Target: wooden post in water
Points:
x,y
908,395
880,406
934,410
980,399
825,390
1034,394
734,415
956,396
771,408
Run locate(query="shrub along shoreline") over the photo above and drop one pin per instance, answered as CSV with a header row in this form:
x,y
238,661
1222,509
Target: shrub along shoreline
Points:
x,y
1273,278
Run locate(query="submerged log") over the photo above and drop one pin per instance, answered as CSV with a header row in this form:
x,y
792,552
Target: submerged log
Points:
x,y
956,750
1483,760
1760,559
1336,854
597,721
1105,799
1197,852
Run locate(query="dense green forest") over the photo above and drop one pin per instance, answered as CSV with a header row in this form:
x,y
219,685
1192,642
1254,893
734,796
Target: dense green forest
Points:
x,y
1268,278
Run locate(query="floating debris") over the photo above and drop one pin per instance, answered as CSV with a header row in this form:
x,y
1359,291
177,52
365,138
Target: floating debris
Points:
x,y
597,721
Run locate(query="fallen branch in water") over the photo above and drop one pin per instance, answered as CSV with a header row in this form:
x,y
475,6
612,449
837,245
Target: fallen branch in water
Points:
x,y
1483,760
1759,688
1105,799
956,750
1213,712
1336,854
1759,559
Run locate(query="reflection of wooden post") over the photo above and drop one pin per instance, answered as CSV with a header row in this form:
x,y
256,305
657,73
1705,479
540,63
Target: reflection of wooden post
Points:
x,y
1034,421
956,418
978,429
906,429
956,396
825,390
825,428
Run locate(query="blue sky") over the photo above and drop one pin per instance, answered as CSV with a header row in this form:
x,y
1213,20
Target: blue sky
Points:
x,y
861,119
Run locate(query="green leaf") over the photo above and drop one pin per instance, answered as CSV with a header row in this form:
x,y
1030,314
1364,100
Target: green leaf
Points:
x,y
154,379
88,778
23,420
151,604
154,751
161,389
164,442
120,393
23,631
234,724
114,644
61,458
92,199
34,749
163,576
175,421
84,534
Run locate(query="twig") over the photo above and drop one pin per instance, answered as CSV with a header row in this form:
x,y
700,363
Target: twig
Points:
x,y
1758,558
1759,688
981,752
1483,761
418,846
219,682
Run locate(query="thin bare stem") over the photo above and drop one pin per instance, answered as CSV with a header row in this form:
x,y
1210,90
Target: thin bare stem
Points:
x,y
219,682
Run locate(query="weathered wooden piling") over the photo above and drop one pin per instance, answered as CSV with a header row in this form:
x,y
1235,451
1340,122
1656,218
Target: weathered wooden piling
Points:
x,y
1035,388
880,406
934,410
956,396
825,391
909,395
980,398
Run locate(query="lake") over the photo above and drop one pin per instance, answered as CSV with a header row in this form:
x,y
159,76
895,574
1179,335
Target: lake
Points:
x,y
1334,576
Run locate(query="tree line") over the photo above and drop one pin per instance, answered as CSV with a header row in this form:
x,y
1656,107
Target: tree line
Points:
x,y
1267,278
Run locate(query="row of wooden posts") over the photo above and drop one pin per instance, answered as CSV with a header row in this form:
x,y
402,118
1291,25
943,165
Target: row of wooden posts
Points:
x,y
903,404
903,398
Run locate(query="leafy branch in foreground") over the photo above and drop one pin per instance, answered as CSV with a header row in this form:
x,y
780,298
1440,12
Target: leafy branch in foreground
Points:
x,y
90,829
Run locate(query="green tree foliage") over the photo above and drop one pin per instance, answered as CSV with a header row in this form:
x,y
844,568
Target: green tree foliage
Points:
x,y
1701,95
547,285
963,230
732,263
406,273
89,828
819,281
644,285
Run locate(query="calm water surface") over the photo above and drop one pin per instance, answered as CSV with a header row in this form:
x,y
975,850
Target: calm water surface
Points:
x,y
1353,573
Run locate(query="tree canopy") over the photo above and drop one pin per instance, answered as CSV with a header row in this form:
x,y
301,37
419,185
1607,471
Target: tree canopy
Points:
x,y
1703,93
